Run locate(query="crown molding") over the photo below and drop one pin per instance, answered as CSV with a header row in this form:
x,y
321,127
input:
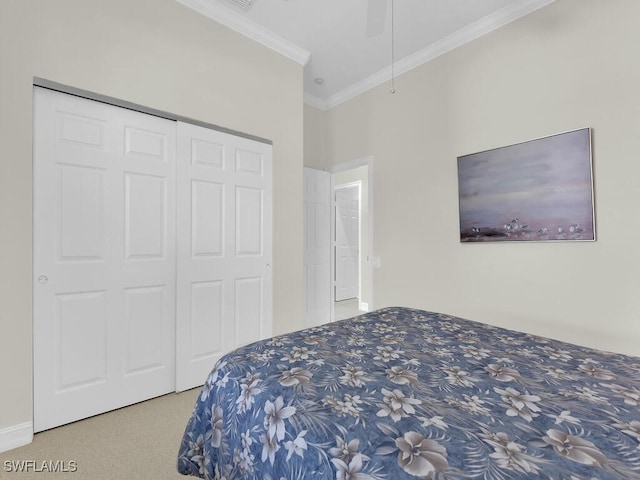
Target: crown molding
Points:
x,y
465,35
248,28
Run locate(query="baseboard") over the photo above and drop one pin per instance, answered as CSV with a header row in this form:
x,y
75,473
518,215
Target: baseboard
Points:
x,y
364,307
16,436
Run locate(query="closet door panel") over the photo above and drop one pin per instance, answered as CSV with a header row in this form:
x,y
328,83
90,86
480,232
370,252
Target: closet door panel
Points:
x,y
224,248
104,257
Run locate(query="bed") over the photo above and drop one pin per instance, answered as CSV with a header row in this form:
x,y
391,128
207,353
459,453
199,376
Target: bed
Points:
x,y
401,393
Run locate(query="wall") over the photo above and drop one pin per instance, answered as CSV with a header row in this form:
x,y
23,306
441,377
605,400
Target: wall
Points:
x,y
315,140
569,65
159,54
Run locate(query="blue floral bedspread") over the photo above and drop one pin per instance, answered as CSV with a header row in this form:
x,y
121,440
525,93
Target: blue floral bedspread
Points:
x,y
402,394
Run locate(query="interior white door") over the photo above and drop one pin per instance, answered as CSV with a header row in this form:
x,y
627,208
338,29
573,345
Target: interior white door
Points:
x,y
317,247
224,286
347,242
104,258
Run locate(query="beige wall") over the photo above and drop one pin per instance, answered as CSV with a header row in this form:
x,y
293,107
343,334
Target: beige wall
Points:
x,y
569,65
315,140
158,54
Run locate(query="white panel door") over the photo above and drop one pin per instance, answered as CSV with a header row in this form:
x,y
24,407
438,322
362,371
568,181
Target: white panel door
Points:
x,y
224,291
317,247
104,258
347,246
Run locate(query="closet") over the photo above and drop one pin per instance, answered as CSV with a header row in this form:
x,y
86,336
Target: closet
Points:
x,y
152,254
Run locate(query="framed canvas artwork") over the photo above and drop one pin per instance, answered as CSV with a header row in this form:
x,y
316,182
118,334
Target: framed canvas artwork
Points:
x,y
539,190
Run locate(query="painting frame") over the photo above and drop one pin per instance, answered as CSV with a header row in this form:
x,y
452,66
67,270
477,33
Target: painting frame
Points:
x,y
538,190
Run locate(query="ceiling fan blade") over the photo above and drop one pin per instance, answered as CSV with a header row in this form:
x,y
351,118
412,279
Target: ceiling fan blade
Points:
x,y
376,17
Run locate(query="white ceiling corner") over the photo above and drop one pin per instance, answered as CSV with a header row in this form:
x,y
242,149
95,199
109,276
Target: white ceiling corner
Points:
x,y
320,30
457,39
315,101
237,22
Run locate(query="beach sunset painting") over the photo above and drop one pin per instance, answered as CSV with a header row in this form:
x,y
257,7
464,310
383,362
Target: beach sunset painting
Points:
x,y
539,190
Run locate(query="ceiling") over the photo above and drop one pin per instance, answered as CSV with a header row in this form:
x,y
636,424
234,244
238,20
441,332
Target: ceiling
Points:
x,y
348,46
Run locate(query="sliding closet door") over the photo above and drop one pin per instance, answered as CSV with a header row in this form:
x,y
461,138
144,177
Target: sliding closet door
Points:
x,y
224,286
104,258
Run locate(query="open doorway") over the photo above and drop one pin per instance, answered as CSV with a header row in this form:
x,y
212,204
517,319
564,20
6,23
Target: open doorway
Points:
x,y
320,188
352,236
346,249
347,241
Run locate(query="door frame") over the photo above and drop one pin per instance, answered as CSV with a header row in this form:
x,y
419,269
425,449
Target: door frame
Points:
x,y
116,102
341,167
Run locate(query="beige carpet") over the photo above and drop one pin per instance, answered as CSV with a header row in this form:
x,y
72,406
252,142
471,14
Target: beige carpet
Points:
x,y
137,442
